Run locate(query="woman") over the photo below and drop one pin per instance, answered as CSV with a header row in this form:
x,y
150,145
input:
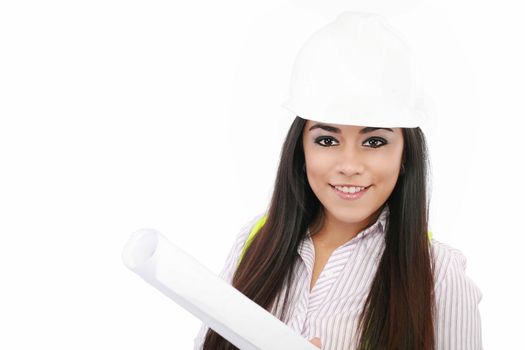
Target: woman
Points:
x,y
343,254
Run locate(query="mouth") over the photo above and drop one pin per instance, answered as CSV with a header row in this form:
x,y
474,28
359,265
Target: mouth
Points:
x,y
349,186
350,192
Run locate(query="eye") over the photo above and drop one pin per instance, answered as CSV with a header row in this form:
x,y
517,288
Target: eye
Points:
x,y
325,138
374,142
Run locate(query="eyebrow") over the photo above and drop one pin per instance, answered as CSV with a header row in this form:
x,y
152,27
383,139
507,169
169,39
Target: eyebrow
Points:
x,y
338,131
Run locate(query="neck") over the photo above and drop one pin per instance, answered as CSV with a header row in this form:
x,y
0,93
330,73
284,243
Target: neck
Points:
x,y
332,233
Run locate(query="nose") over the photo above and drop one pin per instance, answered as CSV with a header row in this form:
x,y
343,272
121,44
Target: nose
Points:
x,y
350,163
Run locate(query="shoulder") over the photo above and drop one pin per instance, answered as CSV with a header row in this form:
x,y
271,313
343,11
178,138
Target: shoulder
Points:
x,y
450,268
243,235
246,229
446,257
237,246
458,324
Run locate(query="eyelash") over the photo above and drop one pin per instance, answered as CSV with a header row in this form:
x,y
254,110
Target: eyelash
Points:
x,y
319,139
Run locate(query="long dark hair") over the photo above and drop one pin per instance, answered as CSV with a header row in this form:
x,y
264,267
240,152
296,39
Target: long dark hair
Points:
x,y
399,310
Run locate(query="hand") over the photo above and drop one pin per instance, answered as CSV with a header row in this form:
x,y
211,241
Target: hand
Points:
x,y
316,342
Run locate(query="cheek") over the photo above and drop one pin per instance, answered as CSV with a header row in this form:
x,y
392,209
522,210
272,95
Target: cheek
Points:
x,y
386,183
315,162
387,173
316,174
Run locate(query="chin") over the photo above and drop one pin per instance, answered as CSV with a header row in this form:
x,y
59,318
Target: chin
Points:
x,y
350,215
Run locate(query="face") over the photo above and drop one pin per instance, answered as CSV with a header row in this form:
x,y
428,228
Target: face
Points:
x,y
352,156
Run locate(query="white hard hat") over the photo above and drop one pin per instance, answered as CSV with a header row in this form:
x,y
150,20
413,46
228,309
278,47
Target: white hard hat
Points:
x,y
357,71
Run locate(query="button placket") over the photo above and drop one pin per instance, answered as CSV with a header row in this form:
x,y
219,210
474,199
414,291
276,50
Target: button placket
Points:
x,y
331,277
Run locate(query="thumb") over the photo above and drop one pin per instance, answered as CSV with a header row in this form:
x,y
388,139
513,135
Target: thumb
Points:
x,y
316,342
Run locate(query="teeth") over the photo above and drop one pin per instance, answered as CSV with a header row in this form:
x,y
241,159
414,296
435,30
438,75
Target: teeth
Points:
x,y
349,189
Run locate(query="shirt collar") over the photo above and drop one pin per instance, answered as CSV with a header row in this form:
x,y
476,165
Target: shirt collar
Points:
x,y
306,247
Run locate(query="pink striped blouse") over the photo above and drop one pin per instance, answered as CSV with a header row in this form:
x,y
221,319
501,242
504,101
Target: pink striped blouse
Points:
x,y
330,310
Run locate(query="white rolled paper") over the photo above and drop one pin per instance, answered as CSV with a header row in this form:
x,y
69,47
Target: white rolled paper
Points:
x,y
198,290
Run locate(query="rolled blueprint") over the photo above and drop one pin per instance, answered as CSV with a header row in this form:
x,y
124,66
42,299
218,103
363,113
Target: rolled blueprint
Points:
x,y
198,290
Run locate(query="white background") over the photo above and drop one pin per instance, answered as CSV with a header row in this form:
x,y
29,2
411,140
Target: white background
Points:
x,y
118,115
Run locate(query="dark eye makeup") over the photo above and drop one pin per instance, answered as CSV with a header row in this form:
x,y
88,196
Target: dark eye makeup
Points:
x,y
319,140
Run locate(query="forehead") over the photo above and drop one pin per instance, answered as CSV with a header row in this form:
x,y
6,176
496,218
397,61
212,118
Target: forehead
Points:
x,y
316,126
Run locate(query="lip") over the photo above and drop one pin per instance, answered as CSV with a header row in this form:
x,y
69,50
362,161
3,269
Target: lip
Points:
x,y
349,185
350,196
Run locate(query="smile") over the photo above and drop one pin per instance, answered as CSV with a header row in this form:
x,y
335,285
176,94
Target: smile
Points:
x,y
350,193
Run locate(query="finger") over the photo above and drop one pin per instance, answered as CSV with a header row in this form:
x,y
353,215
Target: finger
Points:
x,y
316,342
